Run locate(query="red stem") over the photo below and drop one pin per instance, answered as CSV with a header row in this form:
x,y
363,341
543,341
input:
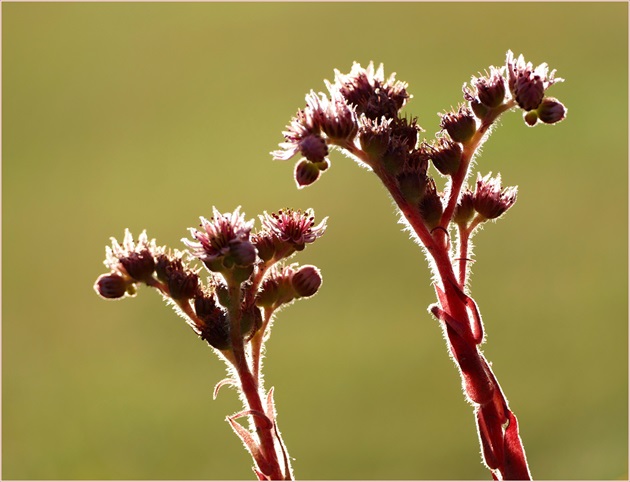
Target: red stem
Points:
x,y
250,388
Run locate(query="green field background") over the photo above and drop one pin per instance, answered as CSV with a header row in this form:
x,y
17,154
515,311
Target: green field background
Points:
x,y
146,115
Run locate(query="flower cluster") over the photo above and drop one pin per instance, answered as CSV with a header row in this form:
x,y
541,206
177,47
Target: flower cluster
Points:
x,y
234,256
361,116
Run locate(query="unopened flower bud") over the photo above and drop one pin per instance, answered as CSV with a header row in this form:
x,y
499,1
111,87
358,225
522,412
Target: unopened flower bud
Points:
x,y
551,111
139,265
461,125
412,185
242,252
464,210
111,286
216,327
306,173
491,89
490,199
265,245
183,285
431,207
374,136
446,156
314,148
251,321
478,109
529,91
306,281
530,118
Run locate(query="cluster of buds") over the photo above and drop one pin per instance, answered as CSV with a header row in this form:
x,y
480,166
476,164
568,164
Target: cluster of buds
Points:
x,y
234,257
361,115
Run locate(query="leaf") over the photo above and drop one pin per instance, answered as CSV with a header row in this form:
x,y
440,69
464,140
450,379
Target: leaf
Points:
x,y
225,381
250,444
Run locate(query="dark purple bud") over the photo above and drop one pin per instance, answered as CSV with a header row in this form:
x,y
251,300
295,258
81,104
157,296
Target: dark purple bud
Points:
x,y
412,185
265,245
314,148
139,265
306,281
306,173
111,286
446,156
242,252
460,125
374,136
251,321
528,91
430,206
530,118
465,209
183,285
491,89
490,199
551,111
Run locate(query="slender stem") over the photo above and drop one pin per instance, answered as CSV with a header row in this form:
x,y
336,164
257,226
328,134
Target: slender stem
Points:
x,y
250,386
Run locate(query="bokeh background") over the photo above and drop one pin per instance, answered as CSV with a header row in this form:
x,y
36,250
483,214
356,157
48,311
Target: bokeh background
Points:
x,y
145,115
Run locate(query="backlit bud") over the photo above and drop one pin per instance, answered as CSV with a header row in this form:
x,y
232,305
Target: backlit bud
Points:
x,y
464,210
460,125
431,207
491,200
530,118
306,173
314,148
111,286
183,285
446,156
307,280
551,111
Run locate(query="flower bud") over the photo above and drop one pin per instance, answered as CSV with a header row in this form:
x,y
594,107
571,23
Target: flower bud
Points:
x,y
216,327
461,125
478,109
490,199
412,185
111,286
242,252
265,245
530,118
446,156
374,136
183,285
551,111
139,265
314,148
464,210
431,207
306,173
491,89
251,321
306,281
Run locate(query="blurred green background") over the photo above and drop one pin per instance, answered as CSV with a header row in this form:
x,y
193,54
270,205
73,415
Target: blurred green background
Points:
x,y
145,115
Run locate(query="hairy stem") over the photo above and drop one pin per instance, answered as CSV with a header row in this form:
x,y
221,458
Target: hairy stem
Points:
x,y
252,391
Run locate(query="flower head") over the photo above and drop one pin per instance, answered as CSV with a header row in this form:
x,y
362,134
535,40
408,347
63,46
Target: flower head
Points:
x,y
490,88
224,241
490,199
300,135
295,228
135,260
369,93
528,84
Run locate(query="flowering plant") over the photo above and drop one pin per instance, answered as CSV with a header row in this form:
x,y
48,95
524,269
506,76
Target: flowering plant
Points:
x,y
361,116
249,279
